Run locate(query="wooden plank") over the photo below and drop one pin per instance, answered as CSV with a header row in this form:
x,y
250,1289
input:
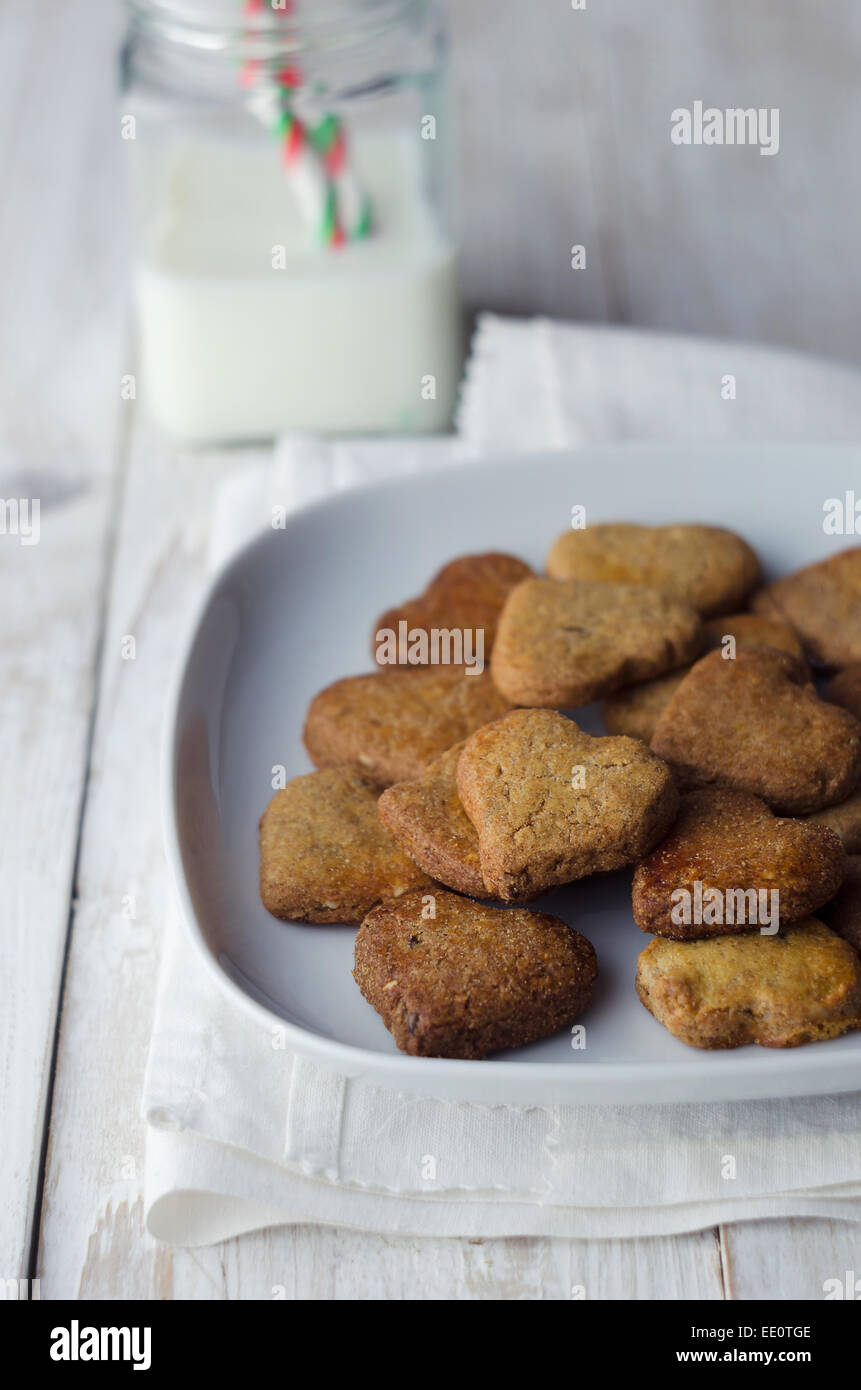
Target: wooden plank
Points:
x,y
789,1259
60,333
91,1215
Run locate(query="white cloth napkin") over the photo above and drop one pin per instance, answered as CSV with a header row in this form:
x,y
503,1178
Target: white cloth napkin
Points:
x,y
242,1135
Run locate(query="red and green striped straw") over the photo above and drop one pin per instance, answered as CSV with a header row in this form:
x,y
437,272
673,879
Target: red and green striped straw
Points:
x,y
313,149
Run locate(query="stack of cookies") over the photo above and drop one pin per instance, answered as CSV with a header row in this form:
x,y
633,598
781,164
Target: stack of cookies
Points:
x,y
450,794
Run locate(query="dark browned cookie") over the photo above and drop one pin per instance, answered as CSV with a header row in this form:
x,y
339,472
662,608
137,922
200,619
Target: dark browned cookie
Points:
x,y
845,820
466,594
637,709
822,603
552,804
711,569
390,725
779,991
325,856
755,723
843,913
845,689
470,979
739,853
564,643
426,818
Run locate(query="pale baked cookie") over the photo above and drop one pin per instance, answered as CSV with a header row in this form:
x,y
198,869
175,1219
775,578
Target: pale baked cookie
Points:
x,y
552,804
637,709
845,689
470,979
390,725
325,856
822,603
426,818
843,913
711,569
845,820
739,853
755,723
779,991
564,643
466,594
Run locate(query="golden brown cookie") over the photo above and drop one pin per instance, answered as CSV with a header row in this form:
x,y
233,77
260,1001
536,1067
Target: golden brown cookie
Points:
x,y
755,723
426,818
564,643
751,630
845,689
843,913
724,858
390,725
637,709
711,569
552,804
467,593
845,820
779,991
471,979
325,856
822,603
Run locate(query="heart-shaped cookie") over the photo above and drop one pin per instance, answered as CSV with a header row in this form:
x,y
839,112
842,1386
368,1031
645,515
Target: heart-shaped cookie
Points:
x,y
711,569
637,709
723,861
388,726
563,644
427,820
755,723
779,991
464,979
324,854
467,593
822,603
552,804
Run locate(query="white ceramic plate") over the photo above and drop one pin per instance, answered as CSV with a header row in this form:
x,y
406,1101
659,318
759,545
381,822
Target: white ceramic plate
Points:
x,y
294,611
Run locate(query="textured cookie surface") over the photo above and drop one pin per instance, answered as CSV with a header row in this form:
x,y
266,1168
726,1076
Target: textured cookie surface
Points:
x,y
426,818
552,804
467,593
843,913
472,979
779,991
822,603
845,820
710,568
564,643
755,723
325,856
845,689
637,709
731,842
390,725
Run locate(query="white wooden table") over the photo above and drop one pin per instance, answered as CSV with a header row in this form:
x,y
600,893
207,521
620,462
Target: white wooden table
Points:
x,y
123,530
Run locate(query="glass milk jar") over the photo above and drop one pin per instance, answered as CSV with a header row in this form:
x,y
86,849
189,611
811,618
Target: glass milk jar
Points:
x,y
294,262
